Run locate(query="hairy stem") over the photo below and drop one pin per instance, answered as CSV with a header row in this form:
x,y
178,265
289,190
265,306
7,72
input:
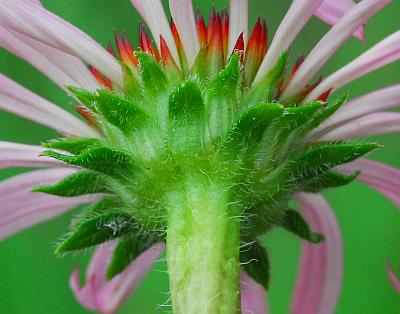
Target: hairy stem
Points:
x,y
203,249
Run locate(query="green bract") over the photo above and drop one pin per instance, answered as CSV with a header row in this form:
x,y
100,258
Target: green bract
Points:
x,y
167,140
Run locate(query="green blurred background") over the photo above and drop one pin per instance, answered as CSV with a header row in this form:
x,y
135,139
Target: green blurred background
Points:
x,y
33,280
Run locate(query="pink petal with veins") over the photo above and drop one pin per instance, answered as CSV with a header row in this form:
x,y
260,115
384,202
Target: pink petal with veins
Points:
x,y
252,296
104,296
383,178
331,11
154,15
18,100
372,124
183,16
20,208
321,265
238,22
295,19
383,53
37,23
22,155
331,42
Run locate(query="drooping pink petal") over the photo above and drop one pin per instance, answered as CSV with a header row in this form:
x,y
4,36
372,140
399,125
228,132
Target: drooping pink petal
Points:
x,y
104,296
22,155
252,296
183,16
238,22
383,178
9,41
20,208
371,124
383,99
394,280
385,52
295,19
331,11
37,23
331,42
18,100
153,14
321,265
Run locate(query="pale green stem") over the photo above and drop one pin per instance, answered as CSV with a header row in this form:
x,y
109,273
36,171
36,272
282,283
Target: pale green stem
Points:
x,y
203,249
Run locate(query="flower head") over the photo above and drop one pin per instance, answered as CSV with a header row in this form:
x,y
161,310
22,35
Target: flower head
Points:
x,y
202,116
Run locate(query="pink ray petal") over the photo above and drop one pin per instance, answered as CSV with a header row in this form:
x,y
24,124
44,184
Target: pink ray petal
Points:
x,y
383,53
183,16
154,15
321,266
252,296
382,99
20,208
331,42
331,11
238,22
22,155
107,296
18,100
372,124
34,21
394,280
383,178
58,66
9,41
295,19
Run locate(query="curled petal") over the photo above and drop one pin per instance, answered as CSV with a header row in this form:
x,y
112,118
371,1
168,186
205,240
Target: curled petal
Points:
x,y
383,99
153,14
37,23
371,124
107,296
252,296
383,178
385,52
183,16
321,266
18,100
295,19
21,155
394,280
331,42
238,12
331,11
21,208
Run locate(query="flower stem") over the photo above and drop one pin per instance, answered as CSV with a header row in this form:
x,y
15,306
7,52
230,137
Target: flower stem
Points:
x,y
203,249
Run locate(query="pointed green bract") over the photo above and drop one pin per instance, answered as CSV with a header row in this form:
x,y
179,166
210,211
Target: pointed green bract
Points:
x,y
186,117
293,222
73,146
319,159
252,125
85,97
326,113
120,112
265,88
80,183
153,77
327,180
128,249
221,99
102,159
255,262
96,229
